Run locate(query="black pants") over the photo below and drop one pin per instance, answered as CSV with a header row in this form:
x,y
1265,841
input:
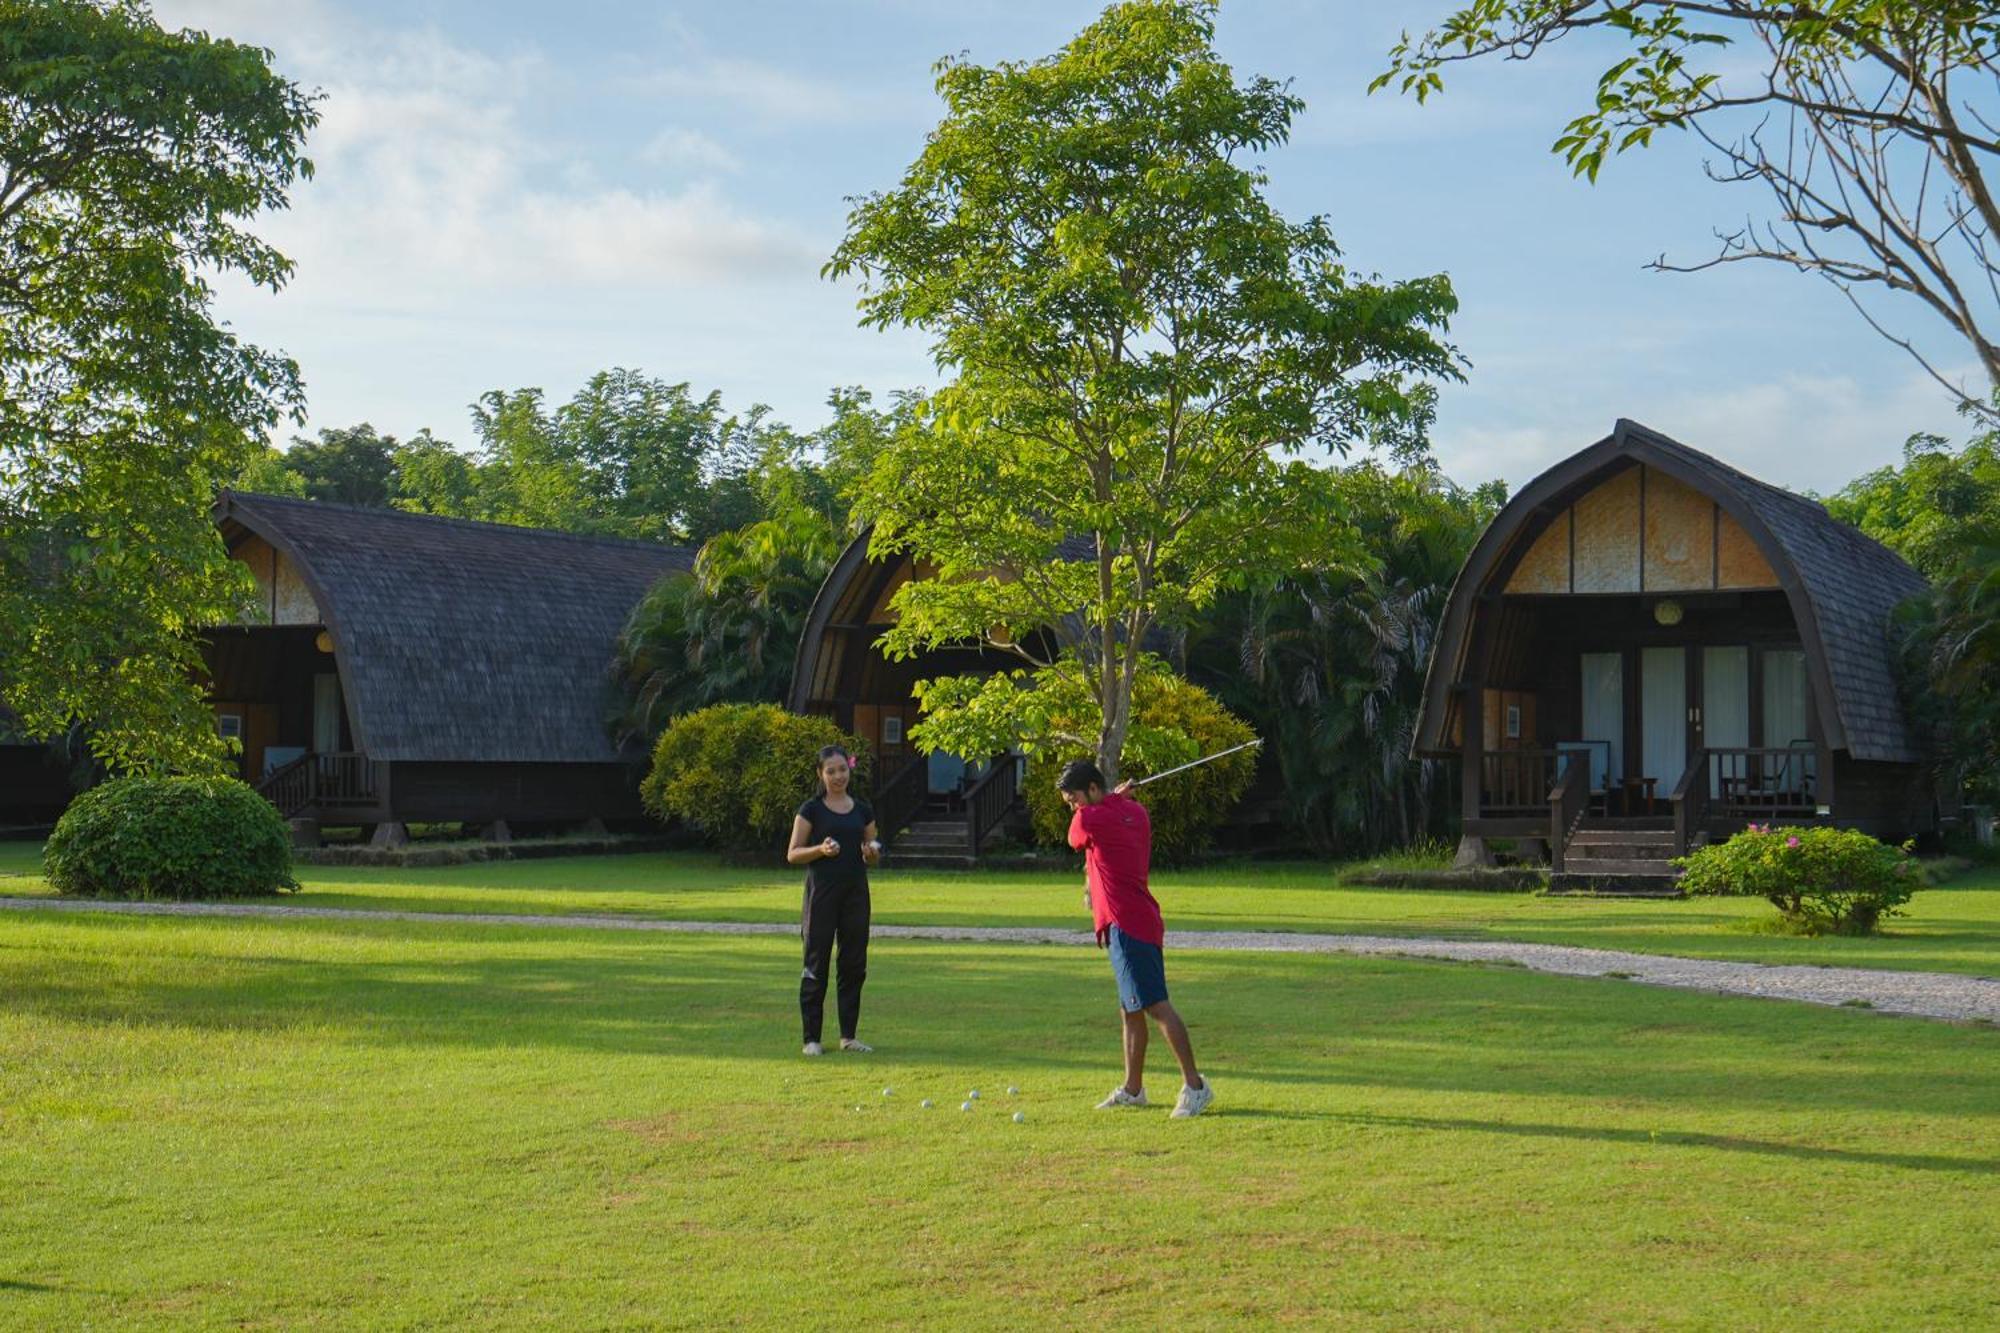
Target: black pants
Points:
x,y
834,912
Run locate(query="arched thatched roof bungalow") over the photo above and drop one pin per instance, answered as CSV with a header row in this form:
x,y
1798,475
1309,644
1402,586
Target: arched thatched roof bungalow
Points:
x,y
1715,649
424,668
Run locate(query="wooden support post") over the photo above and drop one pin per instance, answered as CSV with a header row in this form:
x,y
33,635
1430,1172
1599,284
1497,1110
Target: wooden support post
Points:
x,y
1472,849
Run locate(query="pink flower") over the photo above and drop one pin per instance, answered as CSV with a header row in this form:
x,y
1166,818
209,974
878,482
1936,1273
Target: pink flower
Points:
x,y
1792,841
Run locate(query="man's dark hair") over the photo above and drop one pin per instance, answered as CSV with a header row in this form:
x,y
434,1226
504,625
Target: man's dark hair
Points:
x,y
1079,776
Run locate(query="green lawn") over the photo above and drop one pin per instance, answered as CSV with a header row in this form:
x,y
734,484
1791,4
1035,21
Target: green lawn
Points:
x,y
1954,929
281,1123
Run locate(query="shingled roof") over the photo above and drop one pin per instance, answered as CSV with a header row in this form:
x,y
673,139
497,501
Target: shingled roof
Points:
x,y
1842,586
459,641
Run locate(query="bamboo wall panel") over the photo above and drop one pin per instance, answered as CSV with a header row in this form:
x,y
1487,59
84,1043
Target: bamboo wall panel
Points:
x,y
1607,536
1680,536
281,592
1545,568
1739,562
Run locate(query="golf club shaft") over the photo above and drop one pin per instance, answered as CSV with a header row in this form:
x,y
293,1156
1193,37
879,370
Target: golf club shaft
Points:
x,y
1196,763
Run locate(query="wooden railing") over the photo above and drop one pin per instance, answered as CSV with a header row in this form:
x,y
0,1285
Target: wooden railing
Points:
x,y
289,786
900,797
1771,781
1516,781
1566,802
1741,783
989,799
327,783
1689,799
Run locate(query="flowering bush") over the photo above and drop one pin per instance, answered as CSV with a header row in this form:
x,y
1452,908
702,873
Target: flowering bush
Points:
x,y
1821,879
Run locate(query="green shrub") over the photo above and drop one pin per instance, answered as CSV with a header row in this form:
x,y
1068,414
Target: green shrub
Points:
x,y
170,837
1186,808
1821,879
737,772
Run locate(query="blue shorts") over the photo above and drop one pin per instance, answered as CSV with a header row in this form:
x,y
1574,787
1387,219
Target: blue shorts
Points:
x,y
1141,971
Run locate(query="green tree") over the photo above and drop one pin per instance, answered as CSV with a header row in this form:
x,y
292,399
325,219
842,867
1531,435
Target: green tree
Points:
x,y
1329,665
131,160
728,632
352,466
1941,511
1137,339
266,474
1870,123
434,477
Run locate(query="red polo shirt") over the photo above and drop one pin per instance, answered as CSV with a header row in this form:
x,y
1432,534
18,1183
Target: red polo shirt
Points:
x,y
1116,839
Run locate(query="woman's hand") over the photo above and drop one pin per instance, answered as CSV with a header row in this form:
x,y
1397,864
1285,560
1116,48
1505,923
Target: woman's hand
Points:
x,y
871,852
829,849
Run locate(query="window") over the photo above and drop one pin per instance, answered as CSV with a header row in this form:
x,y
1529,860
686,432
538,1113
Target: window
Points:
x,y
1513,722
892,730
229,726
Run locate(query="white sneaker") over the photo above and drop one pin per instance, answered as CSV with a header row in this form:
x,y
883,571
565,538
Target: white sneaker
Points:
x,y
1119,1097
813,1048
1193,1101
858,1047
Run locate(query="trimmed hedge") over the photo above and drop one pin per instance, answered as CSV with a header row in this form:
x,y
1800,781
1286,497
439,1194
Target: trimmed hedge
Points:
x,y
170,837
1821,879
1185,809
737,772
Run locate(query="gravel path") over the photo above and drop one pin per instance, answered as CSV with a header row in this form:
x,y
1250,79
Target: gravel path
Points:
x,y
1926,994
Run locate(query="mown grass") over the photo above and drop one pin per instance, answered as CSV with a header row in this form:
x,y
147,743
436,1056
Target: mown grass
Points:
x,y
363,1124
1953,928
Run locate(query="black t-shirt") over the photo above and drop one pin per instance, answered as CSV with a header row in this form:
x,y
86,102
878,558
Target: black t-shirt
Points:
x,y
848,867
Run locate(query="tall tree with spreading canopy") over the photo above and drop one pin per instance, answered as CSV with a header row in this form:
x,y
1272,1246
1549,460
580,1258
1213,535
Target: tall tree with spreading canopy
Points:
x,y
131,160
1871,124
1137,340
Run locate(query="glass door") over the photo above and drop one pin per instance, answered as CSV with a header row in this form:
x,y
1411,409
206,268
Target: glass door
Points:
x,y
1724,722
1663,717
1603,715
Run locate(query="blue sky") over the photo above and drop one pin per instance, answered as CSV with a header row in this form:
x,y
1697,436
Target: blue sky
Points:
x,y
514,194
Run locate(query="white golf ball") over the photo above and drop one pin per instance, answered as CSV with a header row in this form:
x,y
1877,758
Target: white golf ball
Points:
x,y
973,1095
1020,1117
1013,1092
965,1106
887,1091
927,1103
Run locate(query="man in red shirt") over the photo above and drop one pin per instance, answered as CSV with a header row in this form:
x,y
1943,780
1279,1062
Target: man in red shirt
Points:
x,y
1115,836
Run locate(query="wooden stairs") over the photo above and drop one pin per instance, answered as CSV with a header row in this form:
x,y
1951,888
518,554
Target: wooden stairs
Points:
x,y
933,841
1619,858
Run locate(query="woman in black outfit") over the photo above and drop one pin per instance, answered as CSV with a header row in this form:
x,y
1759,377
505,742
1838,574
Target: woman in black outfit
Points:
x,y
834,835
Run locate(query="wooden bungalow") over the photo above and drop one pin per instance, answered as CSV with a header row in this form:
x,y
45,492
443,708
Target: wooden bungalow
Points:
x,y
1648,649
412,668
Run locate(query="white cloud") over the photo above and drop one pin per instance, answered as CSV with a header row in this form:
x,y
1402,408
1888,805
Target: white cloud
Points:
x,y
676,147
433,190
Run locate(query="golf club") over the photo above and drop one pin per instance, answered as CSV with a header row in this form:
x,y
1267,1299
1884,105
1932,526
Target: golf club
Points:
x,y
1196,763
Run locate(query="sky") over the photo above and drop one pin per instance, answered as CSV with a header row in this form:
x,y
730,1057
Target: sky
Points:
x,y
512,194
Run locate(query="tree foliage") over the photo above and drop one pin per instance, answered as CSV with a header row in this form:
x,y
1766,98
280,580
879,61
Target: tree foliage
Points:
x,y
1136,338
131,160
1329,665
729,631
1871,124
1182,722
1941,511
